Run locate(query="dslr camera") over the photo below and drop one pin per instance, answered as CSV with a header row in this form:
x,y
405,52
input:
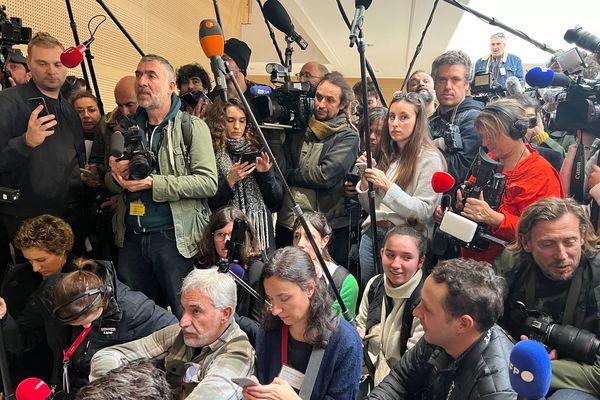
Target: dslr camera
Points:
x,y
577,344
141,161
450,132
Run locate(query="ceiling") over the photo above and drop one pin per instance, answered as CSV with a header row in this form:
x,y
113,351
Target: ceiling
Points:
x,y
392,30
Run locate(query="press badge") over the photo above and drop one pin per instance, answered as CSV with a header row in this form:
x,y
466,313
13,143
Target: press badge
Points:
x,y
137,209
502,71
292,376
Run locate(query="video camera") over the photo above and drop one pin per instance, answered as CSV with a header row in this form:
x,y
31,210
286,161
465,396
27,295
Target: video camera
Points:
x,y
141,161
578,105
577,344
483,90
462,231
290,105
12,32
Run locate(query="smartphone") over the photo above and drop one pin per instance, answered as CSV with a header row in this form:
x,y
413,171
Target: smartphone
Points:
x,y
353,178
87,172
36,101
361,166
192,99
245,381
250,157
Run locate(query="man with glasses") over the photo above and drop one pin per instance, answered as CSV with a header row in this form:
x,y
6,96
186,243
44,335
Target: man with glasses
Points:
x,y
312,72
499,64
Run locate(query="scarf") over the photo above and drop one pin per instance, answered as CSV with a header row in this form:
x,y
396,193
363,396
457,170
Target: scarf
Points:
x,y
247,195
323,129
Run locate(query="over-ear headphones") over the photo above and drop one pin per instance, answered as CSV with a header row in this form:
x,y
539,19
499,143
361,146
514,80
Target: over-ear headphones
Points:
x,y
518,128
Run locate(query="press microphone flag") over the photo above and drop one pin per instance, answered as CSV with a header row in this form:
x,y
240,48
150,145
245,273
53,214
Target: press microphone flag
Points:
x,y
73,56
530,369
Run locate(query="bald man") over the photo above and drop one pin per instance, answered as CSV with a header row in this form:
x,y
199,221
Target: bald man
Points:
x,y
312,72
125,96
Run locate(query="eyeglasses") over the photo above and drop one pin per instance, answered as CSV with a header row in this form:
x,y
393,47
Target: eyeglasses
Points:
x,y
306,75
411,96
221,236
497,35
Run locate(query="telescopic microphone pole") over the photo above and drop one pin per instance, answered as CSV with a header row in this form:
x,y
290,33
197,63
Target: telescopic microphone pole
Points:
x,y
297,209
365,134
369,68
77,42
118,24
6,381
218,15
494,22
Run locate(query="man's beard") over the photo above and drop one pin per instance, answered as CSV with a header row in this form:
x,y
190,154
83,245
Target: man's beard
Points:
x,y
426,95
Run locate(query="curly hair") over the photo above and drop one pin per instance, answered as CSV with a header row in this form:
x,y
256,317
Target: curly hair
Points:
x,y
552,209
137,380
224,215
189,71
46,232
215,119
293,265
473,289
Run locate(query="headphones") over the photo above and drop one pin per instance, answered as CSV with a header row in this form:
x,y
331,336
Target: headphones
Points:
x,y
519,127
105,292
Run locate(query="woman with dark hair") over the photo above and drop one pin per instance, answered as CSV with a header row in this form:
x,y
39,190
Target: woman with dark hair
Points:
x,y
385,320
401,176
213,248
78,313
246,179
303,345
321,231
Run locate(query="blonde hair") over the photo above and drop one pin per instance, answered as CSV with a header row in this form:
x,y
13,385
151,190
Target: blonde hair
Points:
x,y
45,40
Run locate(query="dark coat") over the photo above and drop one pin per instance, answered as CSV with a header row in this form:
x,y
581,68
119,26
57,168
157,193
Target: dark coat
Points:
x,y
129,316
428,372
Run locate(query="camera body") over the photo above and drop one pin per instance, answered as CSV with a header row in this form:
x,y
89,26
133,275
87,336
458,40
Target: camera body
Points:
x,y
569,341
290,104
12,32
141,161
450,132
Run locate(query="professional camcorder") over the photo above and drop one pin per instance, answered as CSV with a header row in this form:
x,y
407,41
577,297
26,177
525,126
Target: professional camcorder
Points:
x,y
291,104
483,90
462,231
141,161
12,32
578,104
570,342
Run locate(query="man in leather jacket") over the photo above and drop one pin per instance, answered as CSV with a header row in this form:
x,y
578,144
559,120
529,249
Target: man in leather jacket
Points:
x,y
463,353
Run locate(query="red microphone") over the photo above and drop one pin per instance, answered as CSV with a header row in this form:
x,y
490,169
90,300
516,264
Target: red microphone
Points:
x,y
33,389
73,56
441,182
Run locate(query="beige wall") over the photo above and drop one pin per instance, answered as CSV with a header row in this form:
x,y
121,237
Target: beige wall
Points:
x,y
167,28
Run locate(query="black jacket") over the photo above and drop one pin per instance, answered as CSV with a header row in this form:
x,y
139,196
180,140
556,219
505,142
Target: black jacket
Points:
x,y
428,372
459,161
129,316
48,175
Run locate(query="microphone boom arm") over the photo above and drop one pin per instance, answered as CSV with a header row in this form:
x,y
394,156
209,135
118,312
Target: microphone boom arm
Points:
x,y
297,209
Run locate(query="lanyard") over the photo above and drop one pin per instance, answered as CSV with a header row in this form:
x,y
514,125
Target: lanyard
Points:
x,y
284,343
67,356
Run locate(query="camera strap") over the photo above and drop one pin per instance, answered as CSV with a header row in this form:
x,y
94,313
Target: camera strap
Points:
x,y
572,297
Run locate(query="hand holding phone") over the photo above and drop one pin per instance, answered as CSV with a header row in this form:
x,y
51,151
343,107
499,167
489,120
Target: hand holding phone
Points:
x,y
245,381
361,166
41,123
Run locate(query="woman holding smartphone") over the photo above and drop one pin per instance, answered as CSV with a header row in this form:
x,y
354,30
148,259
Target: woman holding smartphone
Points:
x,y
303,350
246,179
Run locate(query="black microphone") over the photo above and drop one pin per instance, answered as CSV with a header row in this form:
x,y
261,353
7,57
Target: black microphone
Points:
x,y
276,15
357,21
213,45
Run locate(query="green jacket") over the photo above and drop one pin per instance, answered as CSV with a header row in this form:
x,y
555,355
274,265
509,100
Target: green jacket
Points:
x,y
184,190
